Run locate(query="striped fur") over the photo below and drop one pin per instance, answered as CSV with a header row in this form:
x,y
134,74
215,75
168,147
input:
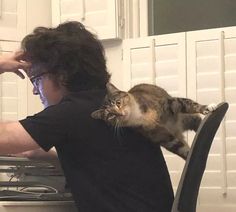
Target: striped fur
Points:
x,y
150,110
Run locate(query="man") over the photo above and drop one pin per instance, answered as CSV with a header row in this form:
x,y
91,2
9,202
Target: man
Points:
x,y
106,172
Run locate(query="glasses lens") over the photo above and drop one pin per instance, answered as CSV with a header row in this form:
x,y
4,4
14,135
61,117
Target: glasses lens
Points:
x,y
35,80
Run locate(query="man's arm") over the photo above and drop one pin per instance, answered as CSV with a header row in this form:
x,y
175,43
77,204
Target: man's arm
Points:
x,y
38,154
15,139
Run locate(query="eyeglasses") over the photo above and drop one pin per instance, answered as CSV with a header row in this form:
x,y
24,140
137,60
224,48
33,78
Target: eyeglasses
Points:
x,y
36,79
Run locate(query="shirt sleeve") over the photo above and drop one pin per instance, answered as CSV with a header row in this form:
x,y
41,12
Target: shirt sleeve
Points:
x,y
49,127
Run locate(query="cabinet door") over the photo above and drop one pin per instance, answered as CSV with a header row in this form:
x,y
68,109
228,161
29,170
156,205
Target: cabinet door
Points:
x,y
13,90
158,60
101,17
211,77
16,97
12,19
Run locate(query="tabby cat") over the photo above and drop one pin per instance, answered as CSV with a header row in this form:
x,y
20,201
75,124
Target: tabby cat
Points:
x,y
154,113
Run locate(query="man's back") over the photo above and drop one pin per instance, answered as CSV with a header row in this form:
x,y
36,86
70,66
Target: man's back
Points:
x,y
107,170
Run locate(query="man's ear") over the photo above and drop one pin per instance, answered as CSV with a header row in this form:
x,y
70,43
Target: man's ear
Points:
x,y
97,114
111,88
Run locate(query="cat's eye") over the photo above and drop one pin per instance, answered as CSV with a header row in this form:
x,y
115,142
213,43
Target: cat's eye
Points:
x,y
112,102
118,103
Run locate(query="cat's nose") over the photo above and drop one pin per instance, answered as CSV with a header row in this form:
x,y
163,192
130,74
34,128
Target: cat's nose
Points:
x,y
110,117
116,107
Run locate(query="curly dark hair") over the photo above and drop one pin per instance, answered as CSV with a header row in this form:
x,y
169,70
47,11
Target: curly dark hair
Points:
x,y
72,55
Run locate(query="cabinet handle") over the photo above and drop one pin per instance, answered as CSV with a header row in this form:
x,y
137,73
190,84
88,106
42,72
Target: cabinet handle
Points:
x,y
83,10
0,8
223,127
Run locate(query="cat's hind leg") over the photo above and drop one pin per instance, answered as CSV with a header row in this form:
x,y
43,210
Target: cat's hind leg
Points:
x,y
176,145
189,121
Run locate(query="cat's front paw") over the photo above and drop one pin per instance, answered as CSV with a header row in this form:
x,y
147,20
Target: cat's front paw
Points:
x,y
209,108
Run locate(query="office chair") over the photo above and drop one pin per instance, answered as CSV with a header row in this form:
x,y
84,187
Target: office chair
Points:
x,y
188,188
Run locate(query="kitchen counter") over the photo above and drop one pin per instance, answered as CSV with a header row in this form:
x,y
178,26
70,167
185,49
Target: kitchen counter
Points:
x,y
37,206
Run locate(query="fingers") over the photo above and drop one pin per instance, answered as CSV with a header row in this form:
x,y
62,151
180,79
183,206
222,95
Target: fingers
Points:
x,y
19,55
18,68
21,66
20,74
24,65
14,63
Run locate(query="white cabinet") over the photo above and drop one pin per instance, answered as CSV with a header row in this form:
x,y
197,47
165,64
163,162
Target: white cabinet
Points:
x,y
211,73
20,17
158,59
200,65
100,17
13,90
12,19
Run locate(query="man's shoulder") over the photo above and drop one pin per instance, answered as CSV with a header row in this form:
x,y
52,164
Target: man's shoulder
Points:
x,y
83,99
84,102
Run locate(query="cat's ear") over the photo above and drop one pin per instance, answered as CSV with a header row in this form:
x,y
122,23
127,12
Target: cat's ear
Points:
x,y
111,88
97,114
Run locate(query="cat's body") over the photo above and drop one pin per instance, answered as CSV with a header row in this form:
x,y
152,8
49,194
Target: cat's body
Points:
x,y
154,113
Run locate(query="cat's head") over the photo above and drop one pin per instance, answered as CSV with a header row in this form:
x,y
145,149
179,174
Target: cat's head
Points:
x,y
116,108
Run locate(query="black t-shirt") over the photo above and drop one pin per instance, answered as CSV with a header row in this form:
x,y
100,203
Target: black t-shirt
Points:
x,y
107,170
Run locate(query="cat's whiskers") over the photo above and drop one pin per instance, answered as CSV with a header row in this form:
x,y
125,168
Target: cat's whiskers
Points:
x,y
117,130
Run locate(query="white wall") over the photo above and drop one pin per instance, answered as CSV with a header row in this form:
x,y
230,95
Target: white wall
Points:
x,y
113,50
38,14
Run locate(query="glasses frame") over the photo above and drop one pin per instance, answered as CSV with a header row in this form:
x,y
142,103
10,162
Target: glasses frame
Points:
x,y
33,79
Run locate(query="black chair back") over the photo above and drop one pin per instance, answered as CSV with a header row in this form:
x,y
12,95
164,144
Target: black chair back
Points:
x,y
188,188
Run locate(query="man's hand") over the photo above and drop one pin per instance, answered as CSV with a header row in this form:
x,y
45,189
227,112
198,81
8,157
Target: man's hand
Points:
x,y
12,62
